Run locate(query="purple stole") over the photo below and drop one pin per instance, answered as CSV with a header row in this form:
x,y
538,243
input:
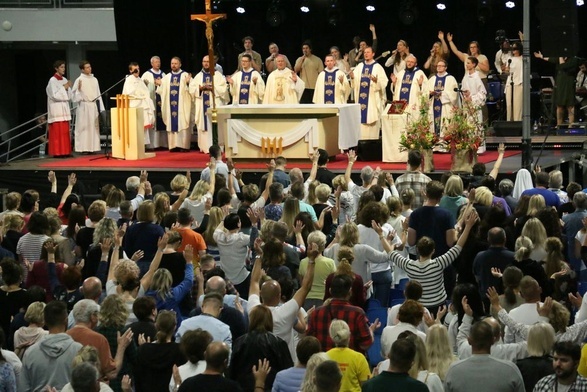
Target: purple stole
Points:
x,y
437,105
329,84
364,90
404,92
245,90
206,96
174,99
158,116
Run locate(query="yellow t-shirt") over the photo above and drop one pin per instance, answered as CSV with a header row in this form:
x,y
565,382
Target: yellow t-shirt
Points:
x,y
583,362
354,368
324,267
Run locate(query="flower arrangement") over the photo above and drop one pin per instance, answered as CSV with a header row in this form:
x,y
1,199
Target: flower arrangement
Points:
x,y
419,134
465,130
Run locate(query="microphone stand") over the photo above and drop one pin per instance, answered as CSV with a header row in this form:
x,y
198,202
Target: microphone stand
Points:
x,y
105,125
512,97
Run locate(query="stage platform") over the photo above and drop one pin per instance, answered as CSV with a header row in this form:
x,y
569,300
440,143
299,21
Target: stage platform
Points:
x,y
560,152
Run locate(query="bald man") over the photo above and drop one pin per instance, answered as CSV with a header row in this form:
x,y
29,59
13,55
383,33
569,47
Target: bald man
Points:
x,y
91,289
408,84
208,321
285,315
201,90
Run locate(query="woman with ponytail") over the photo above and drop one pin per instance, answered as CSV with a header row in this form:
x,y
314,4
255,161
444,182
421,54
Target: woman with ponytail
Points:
x,y
156,359
346,256
561,275
528,266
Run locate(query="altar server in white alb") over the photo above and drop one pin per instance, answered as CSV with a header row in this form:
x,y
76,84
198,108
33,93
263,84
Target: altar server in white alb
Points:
x,y
246,86
176,106
283,85
152,78
86,94
409,84
474,94
58,116
140,97
443,91
201,89
332,86
369,82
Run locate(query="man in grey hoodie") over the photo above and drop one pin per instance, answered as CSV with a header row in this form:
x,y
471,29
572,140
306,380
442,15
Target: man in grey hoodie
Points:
x,y
48,362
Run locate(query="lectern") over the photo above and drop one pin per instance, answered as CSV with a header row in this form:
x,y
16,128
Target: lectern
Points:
x,y
128,133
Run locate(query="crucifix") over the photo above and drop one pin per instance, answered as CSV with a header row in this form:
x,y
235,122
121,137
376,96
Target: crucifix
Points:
x,y
208,18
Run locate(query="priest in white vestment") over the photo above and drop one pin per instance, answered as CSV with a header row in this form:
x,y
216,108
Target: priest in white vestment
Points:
x,y
409,84
201,90
443,91
152,78
332,86
246,86
176,106
474,95
369,82
283,85
86,94
140,97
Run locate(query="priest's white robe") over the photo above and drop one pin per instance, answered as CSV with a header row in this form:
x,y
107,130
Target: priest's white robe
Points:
x,y
140,98
256,90
87,126
221,97
182,137
448,99
58,101
473,84
281,89
413,108
157,137
341,89
377,99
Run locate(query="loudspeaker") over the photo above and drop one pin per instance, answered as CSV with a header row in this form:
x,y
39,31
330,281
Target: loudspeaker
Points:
x,y
558,28
370,150
507,128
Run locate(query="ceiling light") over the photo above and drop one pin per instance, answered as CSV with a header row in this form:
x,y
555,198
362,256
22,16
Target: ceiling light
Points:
x,y
441,6
240,7
510,4
580,2
305,7
370,6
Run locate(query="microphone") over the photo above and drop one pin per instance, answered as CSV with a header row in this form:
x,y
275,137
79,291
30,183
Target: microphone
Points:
x,y
509,61
457,90
135,71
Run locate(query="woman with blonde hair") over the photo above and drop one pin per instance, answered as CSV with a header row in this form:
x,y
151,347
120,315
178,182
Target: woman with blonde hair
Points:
x,y
524,261
348,235
353,365
308,384
438,350
113,317
346,257
535,231
215,217
453,197
291,209
202,192
162,206
24,337
87,354
180,185
324,269
536,203
539,363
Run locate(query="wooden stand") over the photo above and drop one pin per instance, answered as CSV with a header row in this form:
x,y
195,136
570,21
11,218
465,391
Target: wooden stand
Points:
x,y
128,134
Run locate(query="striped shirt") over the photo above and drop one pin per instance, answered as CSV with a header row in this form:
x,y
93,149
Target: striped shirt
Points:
x,y
29,246
428,273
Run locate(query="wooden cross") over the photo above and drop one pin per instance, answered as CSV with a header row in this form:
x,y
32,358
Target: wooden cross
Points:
x,y
208,18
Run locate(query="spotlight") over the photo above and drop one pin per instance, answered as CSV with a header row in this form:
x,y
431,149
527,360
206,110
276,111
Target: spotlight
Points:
x,y
240,7
370,6
275,14
305,6
215,5
580,2
441,6
510,4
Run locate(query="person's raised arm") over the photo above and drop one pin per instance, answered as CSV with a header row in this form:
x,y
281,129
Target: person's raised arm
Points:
x,y
386,245
443,46
304,290
256,273
114,258
314,157
161,245
124,341
53,180
352,156
540,56
497,164
462,56
271,169
230,179
71,180
212,166
470,221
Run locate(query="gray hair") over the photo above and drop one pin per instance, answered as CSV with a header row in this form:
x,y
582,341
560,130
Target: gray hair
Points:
x,y
319,238
367,174
154,58
83,310
580,200
506,187
84,377
132,183
555,179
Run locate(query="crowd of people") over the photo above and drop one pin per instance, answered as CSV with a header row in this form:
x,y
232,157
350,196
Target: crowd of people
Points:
x,y
225,285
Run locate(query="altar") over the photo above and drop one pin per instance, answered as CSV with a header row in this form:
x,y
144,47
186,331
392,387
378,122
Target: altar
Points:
x,y
292,131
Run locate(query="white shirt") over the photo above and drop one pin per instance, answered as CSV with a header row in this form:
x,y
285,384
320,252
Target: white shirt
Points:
x,y
524,314
390,334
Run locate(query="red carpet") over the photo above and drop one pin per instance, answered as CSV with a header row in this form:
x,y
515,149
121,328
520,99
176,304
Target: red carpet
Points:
x,y
197,160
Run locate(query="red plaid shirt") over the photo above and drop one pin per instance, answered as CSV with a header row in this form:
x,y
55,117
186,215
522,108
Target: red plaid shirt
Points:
x,y
320,319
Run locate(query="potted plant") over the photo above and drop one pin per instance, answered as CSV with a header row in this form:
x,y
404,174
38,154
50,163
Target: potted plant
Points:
x,y
420,136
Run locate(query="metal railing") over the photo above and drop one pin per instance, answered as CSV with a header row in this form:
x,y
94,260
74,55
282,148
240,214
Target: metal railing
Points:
x,y
56,3
11,145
